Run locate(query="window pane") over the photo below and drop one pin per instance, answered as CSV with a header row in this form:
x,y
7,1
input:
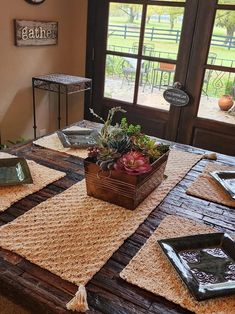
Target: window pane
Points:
x,y
155,78
216,84
163,31
124,27
120,73
222,47
226,2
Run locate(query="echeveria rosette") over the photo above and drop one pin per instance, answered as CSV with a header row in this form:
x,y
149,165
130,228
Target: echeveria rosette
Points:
x,y
133,163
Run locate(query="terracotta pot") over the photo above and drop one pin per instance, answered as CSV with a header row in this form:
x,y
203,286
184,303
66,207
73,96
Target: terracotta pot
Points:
x,y
225,102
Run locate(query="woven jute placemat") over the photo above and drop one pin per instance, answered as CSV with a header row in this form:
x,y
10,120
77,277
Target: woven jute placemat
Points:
x,y
151,270
73,235
41,175
53,142
207,188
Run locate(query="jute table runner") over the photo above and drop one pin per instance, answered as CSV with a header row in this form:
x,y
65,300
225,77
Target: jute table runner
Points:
x,y
151,270
53,142
73,235
41,175
207,188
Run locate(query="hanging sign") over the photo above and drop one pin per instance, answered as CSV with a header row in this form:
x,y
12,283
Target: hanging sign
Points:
x,y
35,33
176,96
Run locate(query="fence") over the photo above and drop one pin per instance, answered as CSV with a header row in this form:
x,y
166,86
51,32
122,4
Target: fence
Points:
x,y
152,33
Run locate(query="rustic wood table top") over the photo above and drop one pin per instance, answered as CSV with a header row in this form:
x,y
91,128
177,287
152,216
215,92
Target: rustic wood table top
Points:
x,y
42,292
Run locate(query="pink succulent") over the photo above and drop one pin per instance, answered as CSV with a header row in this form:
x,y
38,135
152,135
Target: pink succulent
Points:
x,y
133,163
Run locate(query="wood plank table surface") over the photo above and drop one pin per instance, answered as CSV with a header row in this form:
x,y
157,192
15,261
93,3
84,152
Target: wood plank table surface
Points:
x,y
42,292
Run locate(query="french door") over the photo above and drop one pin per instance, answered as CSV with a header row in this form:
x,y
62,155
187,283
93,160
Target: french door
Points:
x,y
138,48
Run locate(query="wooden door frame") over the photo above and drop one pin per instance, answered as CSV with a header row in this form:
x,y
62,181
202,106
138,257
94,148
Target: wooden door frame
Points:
x,y
183,63
98,39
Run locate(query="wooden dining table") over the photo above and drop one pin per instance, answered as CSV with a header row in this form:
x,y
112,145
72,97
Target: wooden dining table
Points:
x,y
42,292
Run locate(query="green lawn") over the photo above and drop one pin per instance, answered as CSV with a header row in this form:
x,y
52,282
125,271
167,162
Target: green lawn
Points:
x,y
166,46
218,83
122,20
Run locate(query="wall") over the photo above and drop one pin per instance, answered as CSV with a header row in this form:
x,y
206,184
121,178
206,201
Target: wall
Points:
x,y
19,64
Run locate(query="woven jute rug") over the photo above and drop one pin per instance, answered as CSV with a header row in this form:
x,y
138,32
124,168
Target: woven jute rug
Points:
x,y
73,235
207,188
151,270
41,175
53,142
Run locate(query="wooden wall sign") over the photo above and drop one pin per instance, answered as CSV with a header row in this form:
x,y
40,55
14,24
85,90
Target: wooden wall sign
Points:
x,y
35,33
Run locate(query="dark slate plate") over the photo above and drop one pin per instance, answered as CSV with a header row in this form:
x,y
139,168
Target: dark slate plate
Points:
x,y
226,179
14,171
78,139
206,263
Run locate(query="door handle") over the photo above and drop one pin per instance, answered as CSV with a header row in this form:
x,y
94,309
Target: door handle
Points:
x,y
177,85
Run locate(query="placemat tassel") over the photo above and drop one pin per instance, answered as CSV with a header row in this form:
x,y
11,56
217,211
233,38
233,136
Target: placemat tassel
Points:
x,y
79,302
212,156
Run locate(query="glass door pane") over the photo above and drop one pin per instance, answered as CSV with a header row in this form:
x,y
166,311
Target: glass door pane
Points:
x,y
120,73
161,38
218,91
155,78
222,48
226,2
163,31
124,27
217,96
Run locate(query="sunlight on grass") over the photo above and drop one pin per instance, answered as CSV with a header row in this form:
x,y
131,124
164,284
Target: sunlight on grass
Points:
x,y
161,40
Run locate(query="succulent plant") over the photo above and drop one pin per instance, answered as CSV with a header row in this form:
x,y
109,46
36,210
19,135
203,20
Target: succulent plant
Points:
x,y
133,163
123,146
149,147
121,143
106,130
162,148
93,152
107,158
130,129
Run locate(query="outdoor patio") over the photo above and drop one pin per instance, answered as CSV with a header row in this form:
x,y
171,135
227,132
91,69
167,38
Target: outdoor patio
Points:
x,y
116,88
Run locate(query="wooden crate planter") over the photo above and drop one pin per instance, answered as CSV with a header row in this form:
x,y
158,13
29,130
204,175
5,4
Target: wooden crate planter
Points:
x,y
120,188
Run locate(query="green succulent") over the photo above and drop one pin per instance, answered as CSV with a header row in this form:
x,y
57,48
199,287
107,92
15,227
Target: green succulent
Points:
x,y
130,129
107,129
149,147
120,143
107,157
162,148
121,139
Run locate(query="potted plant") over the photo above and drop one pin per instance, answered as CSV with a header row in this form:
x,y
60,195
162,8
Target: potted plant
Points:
x,y
126,165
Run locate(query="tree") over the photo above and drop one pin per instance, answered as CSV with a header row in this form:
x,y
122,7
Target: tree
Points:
x,y
226,19
174,13
154,10
131,10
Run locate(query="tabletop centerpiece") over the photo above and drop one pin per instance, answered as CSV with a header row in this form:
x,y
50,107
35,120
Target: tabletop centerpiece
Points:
x,y
126,165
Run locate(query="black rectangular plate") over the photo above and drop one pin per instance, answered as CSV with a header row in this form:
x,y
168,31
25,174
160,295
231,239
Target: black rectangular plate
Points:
x,y
226,179
78,139
14,171
206,263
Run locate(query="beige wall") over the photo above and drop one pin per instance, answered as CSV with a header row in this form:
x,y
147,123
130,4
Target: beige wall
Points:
x,y
19,64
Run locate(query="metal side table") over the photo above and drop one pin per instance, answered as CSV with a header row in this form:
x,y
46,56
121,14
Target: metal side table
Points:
x,y
166,70
60,84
